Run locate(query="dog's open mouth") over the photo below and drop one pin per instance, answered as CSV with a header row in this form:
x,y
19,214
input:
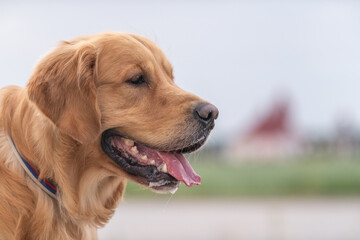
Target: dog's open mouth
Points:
x,y
159,170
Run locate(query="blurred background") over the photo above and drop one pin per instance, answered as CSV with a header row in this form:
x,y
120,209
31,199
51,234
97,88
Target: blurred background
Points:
x,y
283,162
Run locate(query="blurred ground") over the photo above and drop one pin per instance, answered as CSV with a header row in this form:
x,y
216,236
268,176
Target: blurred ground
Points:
x,y
245,219
306,198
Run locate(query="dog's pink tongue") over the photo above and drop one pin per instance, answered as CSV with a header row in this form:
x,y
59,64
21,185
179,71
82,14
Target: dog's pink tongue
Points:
x,y
180,168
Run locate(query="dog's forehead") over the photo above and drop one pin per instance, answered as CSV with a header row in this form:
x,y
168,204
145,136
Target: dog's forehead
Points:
x,y
133,49
155,50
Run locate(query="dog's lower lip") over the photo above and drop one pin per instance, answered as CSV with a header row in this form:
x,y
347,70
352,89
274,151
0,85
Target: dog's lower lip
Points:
x,y
193,147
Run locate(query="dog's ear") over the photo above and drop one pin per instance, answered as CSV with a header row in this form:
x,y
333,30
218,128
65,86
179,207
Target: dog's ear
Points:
x,y
63,87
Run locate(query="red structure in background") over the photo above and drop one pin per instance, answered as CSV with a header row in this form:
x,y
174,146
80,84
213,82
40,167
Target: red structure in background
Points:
x,y
271,137
275,122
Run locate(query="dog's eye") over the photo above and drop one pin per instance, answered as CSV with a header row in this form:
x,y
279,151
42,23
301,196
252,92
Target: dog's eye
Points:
x,y
137,80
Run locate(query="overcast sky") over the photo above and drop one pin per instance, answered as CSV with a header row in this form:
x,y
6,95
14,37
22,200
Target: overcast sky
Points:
x,y
240,55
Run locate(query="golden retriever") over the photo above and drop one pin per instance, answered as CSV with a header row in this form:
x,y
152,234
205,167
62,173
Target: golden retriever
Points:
x,y
96,111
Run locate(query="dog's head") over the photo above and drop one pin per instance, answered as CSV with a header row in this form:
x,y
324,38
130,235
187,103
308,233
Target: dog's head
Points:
x,y
117,91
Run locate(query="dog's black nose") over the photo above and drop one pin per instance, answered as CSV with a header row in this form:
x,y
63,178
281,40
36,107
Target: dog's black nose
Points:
x,y
206,112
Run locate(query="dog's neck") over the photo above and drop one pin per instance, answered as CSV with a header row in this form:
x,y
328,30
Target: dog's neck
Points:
x,y
87,193
29,130
47,185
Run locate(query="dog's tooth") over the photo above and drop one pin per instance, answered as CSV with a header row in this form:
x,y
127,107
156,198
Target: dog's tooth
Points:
x,y
129,142
134,149
152,162
163,168
144,157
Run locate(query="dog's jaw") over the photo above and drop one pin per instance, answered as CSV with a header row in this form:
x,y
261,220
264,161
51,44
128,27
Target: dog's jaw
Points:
x,y
159,170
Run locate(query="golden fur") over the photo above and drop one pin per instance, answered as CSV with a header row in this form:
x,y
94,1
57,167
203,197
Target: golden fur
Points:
x,y
76,92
